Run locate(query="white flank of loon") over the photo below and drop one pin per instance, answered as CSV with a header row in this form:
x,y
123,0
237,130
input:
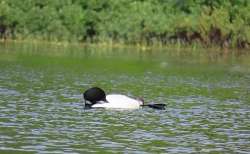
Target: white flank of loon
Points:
x,y
119,101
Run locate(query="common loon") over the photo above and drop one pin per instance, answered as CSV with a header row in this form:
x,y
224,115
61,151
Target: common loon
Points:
x,y
96,98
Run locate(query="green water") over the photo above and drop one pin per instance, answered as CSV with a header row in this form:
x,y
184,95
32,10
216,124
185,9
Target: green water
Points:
x,y
207,97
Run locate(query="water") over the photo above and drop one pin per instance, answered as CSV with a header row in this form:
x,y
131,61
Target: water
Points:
x,y
207,98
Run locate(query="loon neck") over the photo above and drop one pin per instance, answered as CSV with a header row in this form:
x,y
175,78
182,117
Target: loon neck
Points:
x,y
88,106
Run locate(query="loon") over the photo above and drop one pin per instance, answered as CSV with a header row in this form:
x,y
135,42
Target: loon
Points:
x,y
95,97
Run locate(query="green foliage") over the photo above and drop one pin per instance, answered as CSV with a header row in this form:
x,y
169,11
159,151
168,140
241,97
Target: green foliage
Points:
x,y
209,22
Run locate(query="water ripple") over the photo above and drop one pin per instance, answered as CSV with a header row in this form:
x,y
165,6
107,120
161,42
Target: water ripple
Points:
x,y
45,115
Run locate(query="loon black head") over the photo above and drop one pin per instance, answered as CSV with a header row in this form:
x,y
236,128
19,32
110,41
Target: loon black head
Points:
x,y
93,95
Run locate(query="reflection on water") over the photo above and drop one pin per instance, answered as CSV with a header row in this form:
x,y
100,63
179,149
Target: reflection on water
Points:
x,y
41,108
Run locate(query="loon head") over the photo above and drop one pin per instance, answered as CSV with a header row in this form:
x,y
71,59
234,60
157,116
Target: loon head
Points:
x,y
93,95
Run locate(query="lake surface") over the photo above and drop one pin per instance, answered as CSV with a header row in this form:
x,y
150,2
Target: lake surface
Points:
x,y
207,97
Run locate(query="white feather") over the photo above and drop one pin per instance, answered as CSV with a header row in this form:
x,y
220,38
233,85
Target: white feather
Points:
x,y
119,101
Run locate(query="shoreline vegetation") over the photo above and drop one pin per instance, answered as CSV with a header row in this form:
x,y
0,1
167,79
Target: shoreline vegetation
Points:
x,y
174,48
223,24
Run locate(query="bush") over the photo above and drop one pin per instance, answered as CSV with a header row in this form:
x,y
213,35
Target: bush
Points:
x,y
209,22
